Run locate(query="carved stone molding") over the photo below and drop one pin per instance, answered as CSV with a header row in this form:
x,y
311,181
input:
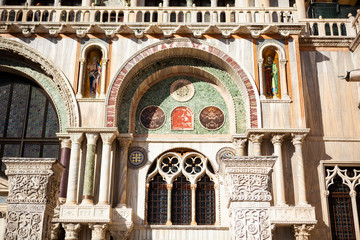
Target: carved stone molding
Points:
x,y
256,138
72,231
33,194
290,215
85,213
298,138
122,224
277,138
302,231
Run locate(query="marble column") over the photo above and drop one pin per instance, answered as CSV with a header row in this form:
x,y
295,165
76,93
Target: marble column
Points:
x,y
300,173
33,194
105,174
213,3
72,189
29,2
103,77
64,160
301,11
261,78
124,146
239,146
193,204
283,84
133,3
169,189
256,140
189,3
277,140
88,191
71,231
302,231
86,3
98,231
81,81
2,2
56,3
353,195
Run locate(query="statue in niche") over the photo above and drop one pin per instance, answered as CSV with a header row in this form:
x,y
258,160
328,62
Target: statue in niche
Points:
x,y
93,73
272,89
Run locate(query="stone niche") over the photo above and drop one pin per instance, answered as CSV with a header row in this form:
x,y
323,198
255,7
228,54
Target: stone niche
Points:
x,y
33,193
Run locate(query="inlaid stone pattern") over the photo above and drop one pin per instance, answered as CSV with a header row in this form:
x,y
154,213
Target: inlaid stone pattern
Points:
x,y
152,117
182,90
33,193
137,157
182,118
212,118
251,224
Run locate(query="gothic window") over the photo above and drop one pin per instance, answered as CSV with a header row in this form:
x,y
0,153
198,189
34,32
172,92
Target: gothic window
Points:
x,y
187,178
28,120
342,199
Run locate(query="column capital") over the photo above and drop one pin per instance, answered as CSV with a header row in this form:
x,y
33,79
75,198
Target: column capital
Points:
x,y
260,61
98,231
108,138
193,186
302,231
239,142
65,142
71,231
297,138
169,186
92,138
76,137
256,138
277,138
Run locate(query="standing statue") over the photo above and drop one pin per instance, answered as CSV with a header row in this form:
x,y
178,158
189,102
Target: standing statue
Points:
x,y
271,78
94,73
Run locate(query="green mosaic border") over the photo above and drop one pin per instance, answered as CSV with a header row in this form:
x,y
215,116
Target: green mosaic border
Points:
x,y
222,75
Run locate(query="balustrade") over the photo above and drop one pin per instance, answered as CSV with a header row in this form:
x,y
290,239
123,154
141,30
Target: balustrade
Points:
x,y
329,27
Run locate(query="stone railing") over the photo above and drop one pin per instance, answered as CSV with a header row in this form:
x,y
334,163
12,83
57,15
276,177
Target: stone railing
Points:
x,y
146,15
340,27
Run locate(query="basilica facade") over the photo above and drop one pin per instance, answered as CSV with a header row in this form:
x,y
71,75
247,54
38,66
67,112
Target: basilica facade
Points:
x,y
179,119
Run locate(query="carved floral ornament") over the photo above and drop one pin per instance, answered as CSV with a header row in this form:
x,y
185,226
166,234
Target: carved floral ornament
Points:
x,y
192,165
182,90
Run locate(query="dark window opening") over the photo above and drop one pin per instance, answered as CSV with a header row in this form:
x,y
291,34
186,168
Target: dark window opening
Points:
x,y
157,201
181,202
205,201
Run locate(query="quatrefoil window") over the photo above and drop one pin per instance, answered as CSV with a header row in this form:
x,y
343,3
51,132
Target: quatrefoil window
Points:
x,y
170,165
193,164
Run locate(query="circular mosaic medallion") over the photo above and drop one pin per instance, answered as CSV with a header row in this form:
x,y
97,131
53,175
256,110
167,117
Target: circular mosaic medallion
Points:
x,y
152,117
182,90
137,157
212,118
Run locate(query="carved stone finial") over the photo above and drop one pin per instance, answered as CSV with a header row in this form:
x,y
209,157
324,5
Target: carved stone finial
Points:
x,y
302,231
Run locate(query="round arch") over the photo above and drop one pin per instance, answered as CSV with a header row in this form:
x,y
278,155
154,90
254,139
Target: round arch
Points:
x,y
270,44
184,48
88,46
43,72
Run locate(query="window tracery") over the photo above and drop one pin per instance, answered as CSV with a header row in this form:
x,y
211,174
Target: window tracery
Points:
x,y
189,181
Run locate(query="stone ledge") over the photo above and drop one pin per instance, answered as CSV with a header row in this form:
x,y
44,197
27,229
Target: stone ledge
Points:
x,y
85,213
288,215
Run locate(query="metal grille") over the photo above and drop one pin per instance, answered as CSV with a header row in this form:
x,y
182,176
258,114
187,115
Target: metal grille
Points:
x,y
28,120
157,204
181,201
205,201
341,213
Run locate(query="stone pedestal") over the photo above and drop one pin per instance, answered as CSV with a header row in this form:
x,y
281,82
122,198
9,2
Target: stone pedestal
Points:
x,y
247,184
33,193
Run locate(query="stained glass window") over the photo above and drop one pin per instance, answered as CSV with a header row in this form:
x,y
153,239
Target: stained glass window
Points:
x,y
28,120
205,201
157,205
341,216
181,201
181,167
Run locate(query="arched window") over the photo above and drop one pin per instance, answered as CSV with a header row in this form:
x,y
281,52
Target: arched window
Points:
x,y
28,120
343,201
186,178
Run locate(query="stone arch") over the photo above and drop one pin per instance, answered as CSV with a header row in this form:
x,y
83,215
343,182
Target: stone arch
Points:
x,y
184,48
282,61
43,72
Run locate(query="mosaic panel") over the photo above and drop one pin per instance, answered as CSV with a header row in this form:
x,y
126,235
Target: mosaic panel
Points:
x,y
52,124
137,157
212,118
11,150
182,118
31,150
50,151
152,117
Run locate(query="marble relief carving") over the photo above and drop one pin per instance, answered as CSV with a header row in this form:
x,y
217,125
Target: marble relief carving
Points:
x,y
152,117
182,90
212,118
182,118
